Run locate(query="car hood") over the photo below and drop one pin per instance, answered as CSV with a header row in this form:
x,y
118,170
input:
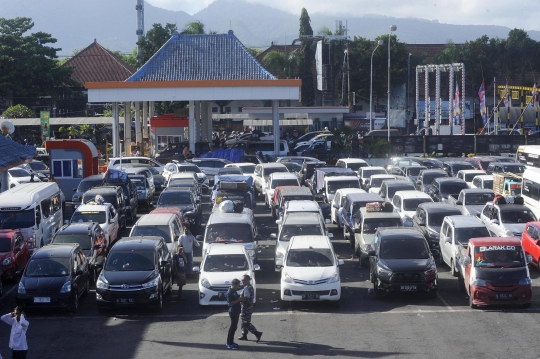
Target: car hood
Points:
x,y
515,227
223,278
310,273
41,283
128,277
368,238
409,265
501,275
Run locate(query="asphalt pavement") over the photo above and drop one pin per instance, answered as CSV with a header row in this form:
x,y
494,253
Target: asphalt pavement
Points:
x,y
409,326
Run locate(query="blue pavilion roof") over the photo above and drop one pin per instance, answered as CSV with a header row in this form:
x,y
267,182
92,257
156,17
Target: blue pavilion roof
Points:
x,y
13,153
202,57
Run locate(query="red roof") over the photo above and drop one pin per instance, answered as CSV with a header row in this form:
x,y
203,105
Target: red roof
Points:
x,y
97,64
495,241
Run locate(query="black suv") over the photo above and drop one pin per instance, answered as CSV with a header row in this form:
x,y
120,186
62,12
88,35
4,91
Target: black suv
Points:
x,y
425,179
402,262
113,195
91,240
184,199
453,167
131,198
85,184
429,218
444,187
55,276
138,271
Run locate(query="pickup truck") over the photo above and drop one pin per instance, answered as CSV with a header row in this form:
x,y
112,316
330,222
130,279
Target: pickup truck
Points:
x,y
472,201
494,271
507,183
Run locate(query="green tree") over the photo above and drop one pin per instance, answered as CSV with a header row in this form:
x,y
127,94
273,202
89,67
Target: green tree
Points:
x,y
130,59
278,61
154,39
18,111
28,65
306,59
193,28
254,52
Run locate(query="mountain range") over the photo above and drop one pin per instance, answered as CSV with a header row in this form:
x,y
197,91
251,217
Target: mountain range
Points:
x,y
76,23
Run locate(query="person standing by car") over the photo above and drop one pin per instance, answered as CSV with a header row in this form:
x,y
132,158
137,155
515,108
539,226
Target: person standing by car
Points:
x,y
233,301
247,310
17,338
187,240
180,263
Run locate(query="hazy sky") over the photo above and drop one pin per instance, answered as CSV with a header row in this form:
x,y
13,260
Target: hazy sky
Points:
x,y
521,14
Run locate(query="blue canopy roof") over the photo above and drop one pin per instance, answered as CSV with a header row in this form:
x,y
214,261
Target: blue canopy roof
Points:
x,y
13,153
202,57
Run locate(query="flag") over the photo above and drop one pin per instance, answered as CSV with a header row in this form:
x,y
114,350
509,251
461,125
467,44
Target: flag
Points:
x,y
482,96
457,110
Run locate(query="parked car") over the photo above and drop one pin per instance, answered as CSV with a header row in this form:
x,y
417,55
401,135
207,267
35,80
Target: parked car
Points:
x,y
444,187
406,202
365,173
483,181
210,166
186,200
390,187
85,184
426,177
136,160
337,204
453,167
499,167
468,175
113,195
429,218
262,174
14,252
506,220
162,225
104,214
530,241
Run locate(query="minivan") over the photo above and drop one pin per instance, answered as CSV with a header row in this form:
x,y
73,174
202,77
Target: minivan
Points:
x,y
164,225
113,195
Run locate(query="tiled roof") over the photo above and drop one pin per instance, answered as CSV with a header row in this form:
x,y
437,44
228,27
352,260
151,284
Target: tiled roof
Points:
x,y
13,153
97,64
202,57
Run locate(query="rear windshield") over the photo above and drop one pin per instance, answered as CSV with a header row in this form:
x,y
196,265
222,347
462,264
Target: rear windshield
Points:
x,y
189,169
290,230
478,198
284,182
427,178
357,165
458,167
229,233
436,218
402,187
372,224
414,171
514,168
333,186
83,240
315,257
269,171
85,185
410,204
453,188
153,230
499,256
248,169
462,235
469,176
368,173
407,248
376,182
174,198
89,216
488,184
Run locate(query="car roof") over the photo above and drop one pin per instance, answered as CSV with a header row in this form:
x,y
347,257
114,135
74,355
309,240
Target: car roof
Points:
x,y
59,251
272,165
102,189
400,233
495,241
484,176
398,183
477,190
352,160
465,221
383,176
412,194
454,162
437,207
449,179
77,227
218,216
372,168
219,249
302,218
93,207
299,242
472,171
302,205
158,219
283,175
362,197
186,174
142,242
380,214
294,190
178,189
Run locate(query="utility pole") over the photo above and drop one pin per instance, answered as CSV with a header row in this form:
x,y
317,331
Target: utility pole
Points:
x,y
140,25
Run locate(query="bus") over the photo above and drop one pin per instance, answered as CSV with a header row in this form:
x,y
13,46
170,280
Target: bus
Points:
x,y
528,156
530,189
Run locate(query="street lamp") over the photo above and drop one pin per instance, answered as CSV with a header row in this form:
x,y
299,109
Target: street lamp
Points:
x,y
392,29
379,43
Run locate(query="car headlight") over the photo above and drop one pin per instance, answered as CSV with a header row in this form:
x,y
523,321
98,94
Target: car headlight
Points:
x,y
280,255
21,289
334,278
153,283
525,281
102,283
66,288
205,283
287,279
478,282
6,261
384,274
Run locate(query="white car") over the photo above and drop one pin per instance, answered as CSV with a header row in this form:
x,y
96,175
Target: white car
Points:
x,y
136,159
373,184
305,206
182,176
506,220
104,214
337,204
262,173
310,271
247,167
17,176
364,173
469,175
279,179
220,266
406,202
353,163
172,168
482,181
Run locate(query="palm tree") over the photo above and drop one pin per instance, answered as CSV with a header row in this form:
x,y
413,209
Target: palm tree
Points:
x,y
277,61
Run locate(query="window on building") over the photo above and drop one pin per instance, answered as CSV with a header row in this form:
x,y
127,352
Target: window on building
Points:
x,y
240,109
67,169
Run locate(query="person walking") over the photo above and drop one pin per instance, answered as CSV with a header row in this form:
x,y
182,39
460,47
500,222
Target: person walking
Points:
x,y
180,262
17,338
233,301
187,240
247,310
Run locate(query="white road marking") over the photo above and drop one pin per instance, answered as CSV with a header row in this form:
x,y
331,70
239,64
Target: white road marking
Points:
x,y
448,306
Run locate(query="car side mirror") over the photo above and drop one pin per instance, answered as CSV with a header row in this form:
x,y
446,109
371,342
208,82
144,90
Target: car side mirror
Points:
x,y
459,203
467,260
196,269
199,237
448,240
256,267
340,262
495,221
335,206
273,236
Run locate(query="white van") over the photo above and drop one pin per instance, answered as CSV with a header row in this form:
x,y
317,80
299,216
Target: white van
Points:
x,y
35,209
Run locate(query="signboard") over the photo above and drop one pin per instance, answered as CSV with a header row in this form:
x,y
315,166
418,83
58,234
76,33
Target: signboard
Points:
x,y
319,65
444,110
44,117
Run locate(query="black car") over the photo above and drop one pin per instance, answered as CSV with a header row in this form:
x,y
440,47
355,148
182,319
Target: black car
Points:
x,y
402,262
307,171
85,184
55,276
184,199
443,187
500,167
453,167
425,179
113,195
138,271
429,218
91,240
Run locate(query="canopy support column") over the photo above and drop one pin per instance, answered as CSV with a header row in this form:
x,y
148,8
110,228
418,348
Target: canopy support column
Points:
x,y
275,130
116,125
138,128
192,126
127,128
145,126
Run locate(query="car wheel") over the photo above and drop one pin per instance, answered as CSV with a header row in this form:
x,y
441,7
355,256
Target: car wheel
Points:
x,y
159,304
471,302
74,303
453,270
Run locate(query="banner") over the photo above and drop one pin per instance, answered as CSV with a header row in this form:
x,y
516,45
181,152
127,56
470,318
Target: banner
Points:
x,y
319,65
44,124
444,110
482,96
457,110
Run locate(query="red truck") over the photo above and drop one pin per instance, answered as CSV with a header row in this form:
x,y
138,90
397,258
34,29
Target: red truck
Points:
x,y
14,252
494,271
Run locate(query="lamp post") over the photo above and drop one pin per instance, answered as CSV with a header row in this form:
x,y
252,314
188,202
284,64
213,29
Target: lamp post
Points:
x,y
392,29
408,88
379,43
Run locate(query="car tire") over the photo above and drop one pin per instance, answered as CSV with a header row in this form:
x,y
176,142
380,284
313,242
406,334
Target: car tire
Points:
x,y
471,302
74,303
453,270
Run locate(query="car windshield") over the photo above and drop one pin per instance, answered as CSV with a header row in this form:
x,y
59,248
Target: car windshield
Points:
x,y
181,183
5,245
514,168
436,218
18,219
297,197
427,178
405,186
462,235
432,164
189,169
18,172
269,171
153,230
458,167
499,256
248,169
410,204
376,182
333,186
488,184
85,185
131,261
174,198
516,215
404,248
230,171
355,166
372,224
315,257
469,176
290,230
226,263
414,171
37,166
83,240
139,183
229,233
292,167
478,198
284,182
453,188
47,267
89,216
366,173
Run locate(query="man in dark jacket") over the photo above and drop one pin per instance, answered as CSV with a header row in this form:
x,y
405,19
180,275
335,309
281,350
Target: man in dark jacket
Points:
x,y
233,301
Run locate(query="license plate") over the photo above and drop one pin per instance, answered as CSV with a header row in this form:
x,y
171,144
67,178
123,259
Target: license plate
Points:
x,y
310,297
124,301
42,300
504,296
408,288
